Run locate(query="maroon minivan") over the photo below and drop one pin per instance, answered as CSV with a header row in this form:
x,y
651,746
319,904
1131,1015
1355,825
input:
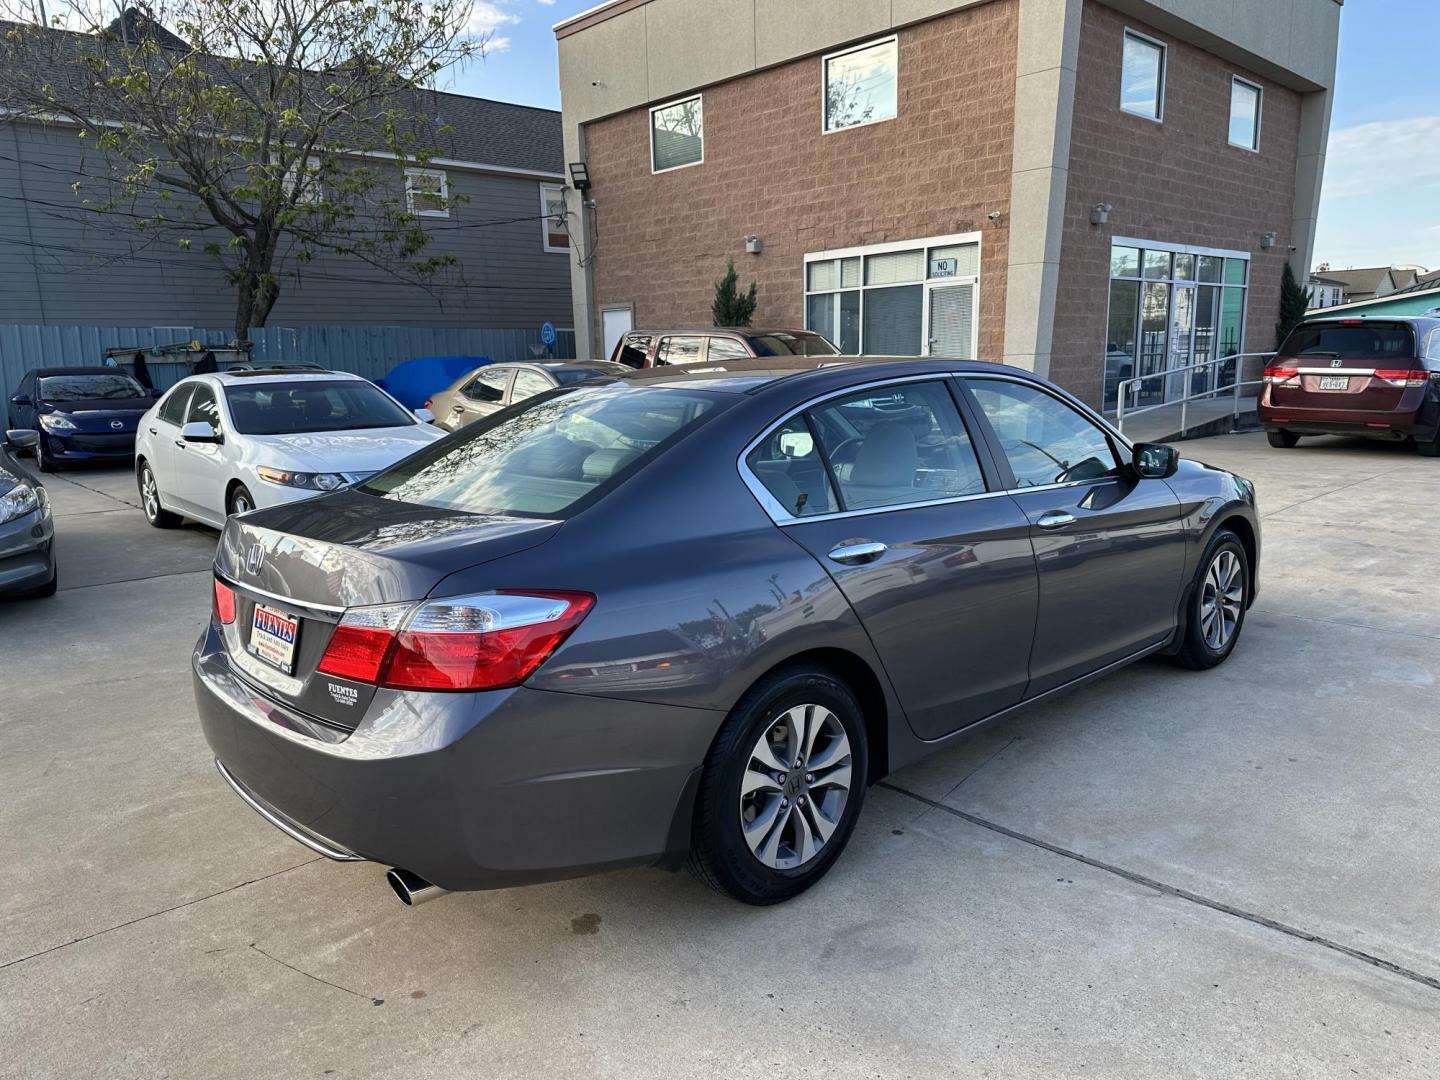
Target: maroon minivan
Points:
x,y
1372,376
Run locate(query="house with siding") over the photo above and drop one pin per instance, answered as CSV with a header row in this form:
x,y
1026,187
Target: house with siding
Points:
x,y
1094,189
485,197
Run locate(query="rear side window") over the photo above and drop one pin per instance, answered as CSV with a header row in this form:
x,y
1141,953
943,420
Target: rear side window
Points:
x,y
1329,341
489,385
549,457
1432,350
724,348
679,350
173,411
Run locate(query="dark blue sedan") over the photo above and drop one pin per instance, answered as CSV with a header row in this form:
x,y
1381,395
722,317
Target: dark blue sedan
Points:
x,y
82,413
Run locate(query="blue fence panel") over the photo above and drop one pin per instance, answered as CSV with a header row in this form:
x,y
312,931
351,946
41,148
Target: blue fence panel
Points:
x,y
369,351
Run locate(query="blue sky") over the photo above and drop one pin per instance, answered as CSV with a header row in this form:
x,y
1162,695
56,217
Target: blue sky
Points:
x,y
1382,181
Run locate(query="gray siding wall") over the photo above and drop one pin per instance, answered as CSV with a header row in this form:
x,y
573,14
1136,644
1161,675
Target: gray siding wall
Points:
x,y
61,266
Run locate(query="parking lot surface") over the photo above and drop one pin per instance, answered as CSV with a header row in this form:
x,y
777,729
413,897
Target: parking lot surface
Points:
x,y
1167,873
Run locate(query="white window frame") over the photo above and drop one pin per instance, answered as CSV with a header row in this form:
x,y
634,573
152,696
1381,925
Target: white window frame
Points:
x,y
894,41
1259,112
546,218
297,172
670,105
1159,117
443,193
926,283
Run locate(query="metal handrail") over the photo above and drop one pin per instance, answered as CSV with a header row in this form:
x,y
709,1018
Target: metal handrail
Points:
x,y
1124,389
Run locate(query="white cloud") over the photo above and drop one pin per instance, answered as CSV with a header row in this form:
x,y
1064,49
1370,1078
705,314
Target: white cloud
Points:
x,y
487,17
1388,155
547,3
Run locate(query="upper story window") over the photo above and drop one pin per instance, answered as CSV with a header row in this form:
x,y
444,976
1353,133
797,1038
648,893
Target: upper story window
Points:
x,y
677,134
427,192
1142,76
552,211
861,85
1245,98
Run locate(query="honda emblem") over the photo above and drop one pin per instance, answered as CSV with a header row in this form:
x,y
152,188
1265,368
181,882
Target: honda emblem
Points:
x,y
1336,362
117,424
254,558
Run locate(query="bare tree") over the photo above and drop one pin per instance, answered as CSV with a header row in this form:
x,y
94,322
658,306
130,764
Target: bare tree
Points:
x,y
261,132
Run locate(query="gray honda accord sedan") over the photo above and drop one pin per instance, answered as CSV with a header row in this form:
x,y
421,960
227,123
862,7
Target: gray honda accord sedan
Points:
x,y
691,616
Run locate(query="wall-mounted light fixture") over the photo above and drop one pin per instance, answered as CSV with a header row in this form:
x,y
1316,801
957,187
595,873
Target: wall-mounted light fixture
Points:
x,y
1267,240
1100,213
579,176
754,245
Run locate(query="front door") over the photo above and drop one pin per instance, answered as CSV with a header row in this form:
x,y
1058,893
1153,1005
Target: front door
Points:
x,y
1109,547
615,323
887,493
164,432
199,466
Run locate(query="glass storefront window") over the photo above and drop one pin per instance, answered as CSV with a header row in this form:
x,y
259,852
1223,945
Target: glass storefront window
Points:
x,y
1157,264
1235,270
892,321
1209,268
1184,267
1124,262
1120,344
895,267
955,260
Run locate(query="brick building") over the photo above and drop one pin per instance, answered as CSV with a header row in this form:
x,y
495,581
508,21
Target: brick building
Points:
x,y
1089,188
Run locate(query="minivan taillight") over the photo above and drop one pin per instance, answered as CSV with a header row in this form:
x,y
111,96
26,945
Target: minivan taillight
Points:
x,y
224,602
483,642
1278,374
1403,378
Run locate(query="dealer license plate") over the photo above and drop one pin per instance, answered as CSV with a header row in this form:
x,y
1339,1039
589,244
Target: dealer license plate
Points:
x,y
272,637
1334,383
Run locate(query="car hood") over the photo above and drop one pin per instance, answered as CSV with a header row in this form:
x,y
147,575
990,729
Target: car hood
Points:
x,y
99,411
362,451
349,548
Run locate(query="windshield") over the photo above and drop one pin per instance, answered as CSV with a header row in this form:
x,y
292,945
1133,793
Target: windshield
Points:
x,y
546,456
89,387
1387,341
571,376
303,408
784,344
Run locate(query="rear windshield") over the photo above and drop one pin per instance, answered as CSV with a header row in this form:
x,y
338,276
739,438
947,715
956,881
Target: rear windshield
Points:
x,y
571,376
792,345
550,454
1330,342
89,387
283,409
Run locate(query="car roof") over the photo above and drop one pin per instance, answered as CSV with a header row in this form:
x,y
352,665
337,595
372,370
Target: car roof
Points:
x,y
285,375
752,375
734,331
45,372
556,365
1417,320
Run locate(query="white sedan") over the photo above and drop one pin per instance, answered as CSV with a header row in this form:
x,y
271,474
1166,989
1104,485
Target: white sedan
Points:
x,y
222,444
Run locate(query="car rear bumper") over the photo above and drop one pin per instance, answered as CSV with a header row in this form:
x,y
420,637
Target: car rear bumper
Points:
x,y
469,791
1420,423
27,552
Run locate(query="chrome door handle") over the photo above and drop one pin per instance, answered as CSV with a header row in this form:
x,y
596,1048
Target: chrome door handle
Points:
x,y
860,551
152,431
1054,519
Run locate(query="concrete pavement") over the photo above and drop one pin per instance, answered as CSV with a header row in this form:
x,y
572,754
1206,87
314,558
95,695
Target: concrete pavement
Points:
x,y
1224,874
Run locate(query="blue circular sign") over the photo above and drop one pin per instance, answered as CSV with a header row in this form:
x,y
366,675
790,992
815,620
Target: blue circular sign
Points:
x,y
547,334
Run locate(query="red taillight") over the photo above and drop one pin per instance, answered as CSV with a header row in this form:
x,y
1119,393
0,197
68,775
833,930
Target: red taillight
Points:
x,y
483,642
1279,374
1401,377
224,602
428,401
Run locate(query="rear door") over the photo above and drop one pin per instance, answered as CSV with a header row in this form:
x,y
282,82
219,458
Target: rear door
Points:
x,y
1109,546
885,487
482,395
1349,365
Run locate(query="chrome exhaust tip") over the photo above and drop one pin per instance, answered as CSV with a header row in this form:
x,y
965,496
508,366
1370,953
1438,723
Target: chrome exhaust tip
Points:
x,y
411,888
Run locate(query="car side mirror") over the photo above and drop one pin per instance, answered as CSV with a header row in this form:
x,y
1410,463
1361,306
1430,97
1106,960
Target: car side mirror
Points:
x,y
425,415
199,431
22,439
21,399
1155,461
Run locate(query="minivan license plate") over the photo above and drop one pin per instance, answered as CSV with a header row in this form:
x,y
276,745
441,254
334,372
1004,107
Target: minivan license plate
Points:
x,y
1333,383
272,637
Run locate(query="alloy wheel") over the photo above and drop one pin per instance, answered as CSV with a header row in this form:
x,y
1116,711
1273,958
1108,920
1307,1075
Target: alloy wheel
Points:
x,y
795,787
148,495
240,504
1221,600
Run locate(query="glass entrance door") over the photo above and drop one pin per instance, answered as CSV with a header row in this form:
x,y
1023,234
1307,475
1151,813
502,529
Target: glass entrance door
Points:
x,y
951,321
1182,338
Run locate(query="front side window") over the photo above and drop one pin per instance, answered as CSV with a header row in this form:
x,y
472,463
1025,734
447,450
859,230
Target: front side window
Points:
x,y
489,385
634,350
1245,100
427,193
204,409
552,208
528,384
1045,441
549,457
785,343
1142,76
677,135
724,348
302,408
106,387
678,350
861,85
172,410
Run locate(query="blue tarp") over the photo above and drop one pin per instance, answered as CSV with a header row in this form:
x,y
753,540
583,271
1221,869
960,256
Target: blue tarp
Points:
x,y
415,381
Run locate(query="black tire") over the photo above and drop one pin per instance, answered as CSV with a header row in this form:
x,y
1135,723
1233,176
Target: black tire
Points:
x,y
155,514
719,853
1198,650
1429,447
239,501
1282,440
46,463
48,589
